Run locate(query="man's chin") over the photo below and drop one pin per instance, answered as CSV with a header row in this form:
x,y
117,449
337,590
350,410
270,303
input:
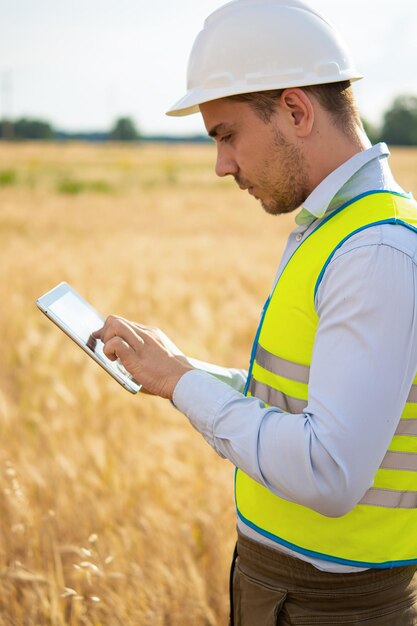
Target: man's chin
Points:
x,y
273,208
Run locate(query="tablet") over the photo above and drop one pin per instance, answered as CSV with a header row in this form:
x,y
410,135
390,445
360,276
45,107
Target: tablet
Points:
x,y
78,319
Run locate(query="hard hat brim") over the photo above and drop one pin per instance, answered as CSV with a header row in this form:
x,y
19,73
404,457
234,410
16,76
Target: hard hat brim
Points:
x,y
189,103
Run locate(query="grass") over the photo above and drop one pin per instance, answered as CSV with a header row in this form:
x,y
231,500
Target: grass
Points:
x,y
113,510
7,178
74,187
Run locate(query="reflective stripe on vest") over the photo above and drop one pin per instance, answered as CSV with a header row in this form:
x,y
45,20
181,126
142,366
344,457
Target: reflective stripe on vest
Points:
x,y
412,396
390,498
301,373
379,531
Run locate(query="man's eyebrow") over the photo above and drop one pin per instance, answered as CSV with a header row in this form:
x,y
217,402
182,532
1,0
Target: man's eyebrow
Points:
x,y
219,128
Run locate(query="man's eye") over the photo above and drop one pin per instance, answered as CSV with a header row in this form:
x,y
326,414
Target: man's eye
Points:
x,y
225,138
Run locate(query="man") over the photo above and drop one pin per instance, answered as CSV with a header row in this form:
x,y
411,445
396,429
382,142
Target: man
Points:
x,y
323,427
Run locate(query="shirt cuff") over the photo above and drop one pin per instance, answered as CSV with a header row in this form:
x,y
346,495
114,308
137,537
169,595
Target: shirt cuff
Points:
x,y
200,396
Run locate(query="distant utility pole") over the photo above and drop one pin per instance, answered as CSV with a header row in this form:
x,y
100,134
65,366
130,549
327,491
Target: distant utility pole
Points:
x,y
6,96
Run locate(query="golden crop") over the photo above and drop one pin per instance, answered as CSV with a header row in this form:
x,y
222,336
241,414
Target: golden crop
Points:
x,y
113,510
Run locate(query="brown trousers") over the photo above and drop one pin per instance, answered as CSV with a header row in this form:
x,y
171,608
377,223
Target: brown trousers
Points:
x,y
272,589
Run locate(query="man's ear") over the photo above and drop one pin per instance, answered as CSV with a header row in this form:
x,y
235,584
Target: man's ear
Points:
x,y
298,111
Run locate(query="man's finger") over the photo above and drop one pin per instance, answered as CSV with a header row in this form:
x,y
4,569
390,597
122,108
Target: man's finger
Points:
x,y
118,348
117,327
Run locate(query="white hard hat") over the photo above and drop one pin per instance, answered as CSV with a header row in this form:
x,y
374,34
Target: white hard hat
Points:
x,y
257,45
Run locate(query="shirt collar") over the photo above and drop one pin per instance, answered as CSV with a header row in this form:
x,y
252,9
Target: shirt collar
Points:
x,y
320,199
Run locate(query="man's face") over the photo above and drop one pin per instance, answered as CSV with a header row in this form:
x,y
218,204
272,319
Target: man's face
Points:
x,y
257,154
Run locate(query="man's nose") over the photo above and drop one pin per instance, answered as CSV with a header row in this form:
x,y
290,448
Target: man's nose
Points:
x,y
225,164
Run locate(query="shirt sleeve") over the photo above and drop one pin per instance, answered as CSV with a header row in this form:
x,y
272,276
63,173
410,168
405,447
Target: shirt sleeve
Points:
x,y
235,378
363,365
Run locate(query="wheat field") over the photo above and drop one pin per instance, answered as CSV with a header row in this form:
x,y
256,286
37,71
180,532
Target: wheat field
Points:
x,y
113,509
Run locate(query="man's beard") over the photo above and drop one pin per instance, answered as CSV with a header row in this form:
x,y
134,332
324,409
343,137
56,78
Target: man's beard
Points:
x,y
287,190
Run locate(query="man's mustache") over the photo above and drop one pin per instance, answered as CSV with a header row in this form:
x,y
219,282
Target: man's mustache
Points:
x,y
242,182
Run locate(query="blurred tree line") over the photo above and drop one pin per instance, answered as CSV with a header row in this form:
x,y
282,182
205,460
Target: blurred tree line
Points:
x,y
399,123
399,127
123,129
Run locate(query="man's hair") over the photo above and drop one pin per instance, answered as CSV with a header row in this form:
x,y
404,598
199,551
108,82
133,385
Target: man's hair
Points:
x,y
335,98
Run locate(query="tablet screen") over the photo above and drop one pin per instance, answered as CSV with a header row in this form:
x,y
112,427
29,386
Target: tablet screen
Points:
x,y
81,319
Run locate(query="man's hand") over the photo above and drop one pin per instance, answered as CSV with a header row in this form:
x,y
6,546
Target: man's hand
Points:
x,y
147,354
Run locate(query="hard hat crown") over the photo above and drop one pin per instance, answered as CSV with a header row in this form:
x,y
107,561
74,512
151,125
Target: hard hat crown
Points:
x,y
257,45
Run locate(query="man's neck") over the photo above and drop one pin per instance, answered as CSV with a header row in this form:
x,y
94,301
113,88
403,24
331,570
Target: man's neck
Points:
x,y
331,149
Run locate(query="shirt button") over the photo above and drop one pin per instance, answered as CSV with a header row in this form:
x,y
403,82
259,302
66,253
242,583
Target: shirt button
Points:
x,y
298,237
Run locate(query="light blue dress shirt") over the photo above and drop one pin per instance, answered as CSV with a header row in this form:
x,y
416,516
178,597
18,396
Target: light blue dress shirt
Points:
x,y
363,365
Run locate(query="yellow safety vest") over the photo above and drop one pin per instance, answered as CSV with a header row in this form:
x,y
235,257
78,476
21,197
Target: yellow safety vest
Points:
x,y
381,530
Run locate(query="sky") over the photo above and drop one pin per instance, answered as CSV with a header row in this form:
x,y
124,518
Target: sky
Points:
x,y
80,64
